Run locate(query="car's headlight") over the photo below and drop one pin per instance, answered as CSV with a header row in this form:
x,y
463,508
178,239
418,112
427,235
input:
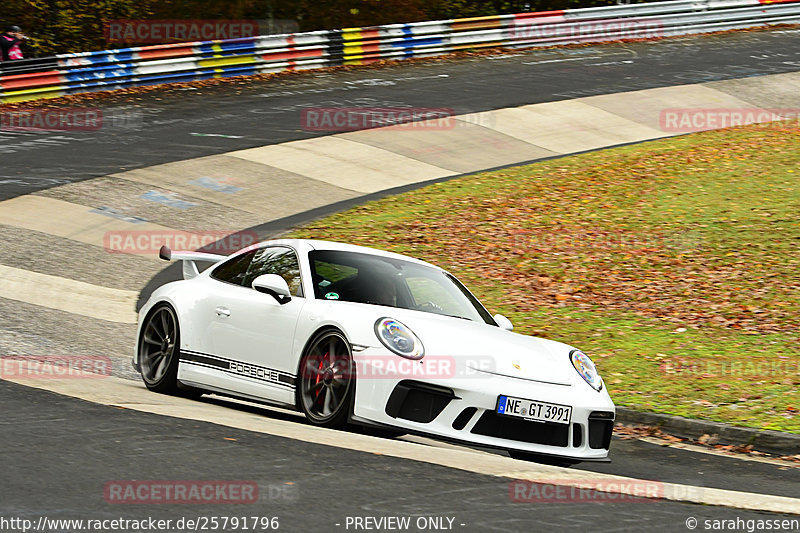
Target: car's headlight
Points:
x,y
398,338
586,369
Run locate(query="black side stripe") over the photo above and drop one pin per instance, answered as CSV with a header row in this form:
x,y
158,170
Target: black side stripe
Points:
x,y
206,360
238,368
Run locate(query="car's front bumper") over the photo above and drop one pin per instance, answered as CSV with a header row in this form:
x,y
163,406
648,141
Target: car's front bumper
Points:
x,y
462,408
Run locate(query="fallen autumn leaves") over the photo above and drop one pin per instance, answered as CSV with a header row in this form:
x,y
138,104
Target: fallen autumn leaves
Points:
x,y
668,252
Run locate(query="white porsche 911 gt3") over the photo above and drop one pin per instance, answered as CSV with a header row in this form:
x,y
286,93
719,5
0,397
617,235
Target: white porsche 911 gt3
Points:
x,y
348,334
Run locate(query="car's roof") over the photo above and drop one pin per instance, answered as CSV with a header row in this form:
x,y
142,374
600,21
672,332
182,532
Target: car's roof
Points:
x,y
340,246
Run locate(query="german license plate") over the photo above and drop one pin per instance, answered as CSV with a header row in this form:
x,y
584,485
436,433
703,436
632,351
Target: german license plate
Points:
x,y
534,410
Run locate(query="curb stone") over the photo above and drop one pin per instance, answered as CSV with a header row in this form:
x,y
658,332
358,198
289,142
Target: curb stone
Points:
x,y
763,440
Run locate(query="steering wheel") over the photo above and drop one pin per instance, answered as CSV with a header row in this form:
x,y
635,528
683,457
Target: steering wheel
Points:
x,y
428,306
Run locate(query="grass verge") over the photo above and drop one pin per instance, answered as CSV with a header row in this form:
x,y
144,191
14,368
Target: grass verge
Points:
x,y
674,263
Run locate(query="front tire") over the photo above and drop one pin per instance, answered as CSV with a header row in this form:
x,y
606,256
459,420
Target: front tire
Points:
x,y
158,350
326,380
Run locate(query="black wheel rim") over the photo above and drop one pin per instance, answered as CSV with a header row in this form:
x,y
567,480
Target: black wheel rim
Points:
x,y
157,346
326,377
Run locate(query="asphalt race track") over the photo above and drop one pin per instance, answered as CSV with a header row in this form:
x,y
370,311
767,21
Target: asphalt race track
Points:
x,y
61,452
74,448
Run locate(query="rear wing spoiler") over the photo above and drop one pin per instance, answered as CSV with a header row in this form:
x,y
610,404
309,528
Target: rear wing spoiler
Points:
x,y
189,266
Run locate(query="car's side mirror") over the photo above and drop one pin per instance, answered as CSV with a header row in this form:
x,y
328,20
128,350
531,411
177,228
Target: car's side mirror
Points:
x,y
274,285
503,322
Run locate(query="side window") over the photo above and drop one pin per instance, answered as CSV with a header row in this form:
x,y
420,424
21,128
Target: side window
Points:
x,y
234,270
276,260
331,278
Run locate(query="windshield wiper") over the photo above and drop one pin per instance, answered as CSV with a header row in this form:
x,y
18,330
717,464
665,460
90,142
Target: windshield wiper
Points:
x,y
455,316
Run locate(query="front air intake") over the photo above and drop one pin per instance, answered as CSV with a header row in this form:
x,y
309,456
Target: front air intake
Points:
x,y
418,402
491,424
601,425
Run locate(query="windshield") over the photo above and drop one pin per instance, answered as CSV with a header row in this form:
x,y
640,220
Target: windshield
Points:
x,y
372,279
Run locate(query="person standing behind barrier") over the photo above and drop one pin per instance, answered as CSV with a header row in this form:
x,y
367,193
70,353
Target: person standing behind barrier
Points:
x,y
9,43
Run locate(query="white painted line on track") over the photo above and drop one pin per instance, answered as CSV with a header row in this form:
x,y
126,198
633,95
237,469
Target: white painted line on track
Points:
x,y
223,135
63,294
560,60
626,62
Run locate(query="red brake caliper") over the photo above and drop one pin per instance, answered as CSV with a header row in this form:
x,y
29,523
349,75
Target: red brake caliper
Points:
x,y
319,378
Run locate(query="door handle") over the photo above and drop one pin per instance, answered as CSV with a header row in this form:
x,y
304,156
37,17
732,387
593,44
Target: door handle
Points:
x,y
222,311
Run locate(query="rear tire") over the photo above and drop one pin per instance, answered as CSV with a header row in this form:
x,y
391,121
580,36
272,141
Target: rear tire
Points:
x,y
158,350
326,380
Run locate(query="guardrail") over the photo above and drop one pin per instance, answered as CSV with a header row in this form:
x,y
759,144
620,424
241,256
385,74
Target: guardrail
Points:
x,y
129,67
